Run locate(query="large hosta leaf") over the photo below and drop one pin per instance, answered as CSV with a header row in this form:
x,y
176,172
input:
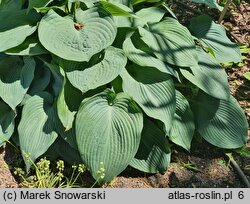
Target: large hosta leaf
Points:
x,y
210,3
117,9
38,3
214,36
148,15
108,132
145,59
221,122
15,79
69,154
86,77
36,128
152,90
68,136
10,4
208,76
15,26
7,116
170,42
42,76
154,151
30,47
183,127
65,114
80,40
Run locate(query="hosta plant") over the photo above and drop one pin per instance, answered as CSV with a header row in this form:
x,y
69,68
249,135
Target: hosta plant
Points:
x,y
113,83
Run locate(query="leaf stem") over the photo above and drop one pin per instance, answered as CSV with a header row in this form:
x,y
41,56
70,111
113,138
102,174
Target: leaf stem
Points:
x,y
240,172
223,13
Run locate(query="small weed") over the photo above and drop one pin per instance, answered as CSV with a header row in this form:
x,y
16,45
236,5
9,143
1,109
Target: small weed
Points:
x,y
46,177
222,162
191,166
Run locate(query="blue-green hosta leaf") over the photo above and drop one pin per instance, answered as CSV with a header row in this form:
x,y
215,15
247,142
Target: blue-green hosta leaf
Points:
x,y
221,122
66,152
182,130
38,3
30,47
88,3
154,152
108,132
123,21
66,116
42,76
152,90
7,116
15,26
148,15
208,76
10,4
117,9
36,128
15,79
145,59
170,42
134,2
80,40
210,3
247,75
86,78
68,136
214,36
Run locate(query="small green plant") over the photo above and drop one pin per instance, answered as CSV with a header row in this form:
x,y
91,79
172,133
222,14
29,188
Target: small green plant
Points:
x,y
245,50
191,166
46,177
113,81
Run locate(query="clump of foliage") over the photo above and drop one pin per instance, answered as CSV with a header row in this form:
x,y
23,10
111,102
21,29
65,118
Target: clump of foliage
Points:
x,y
113,83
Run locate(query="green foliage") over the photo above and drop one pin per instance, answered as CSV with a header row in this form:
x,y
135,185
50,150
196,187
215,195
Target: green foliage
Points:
x,y
247,75
210,3
113,83
43,175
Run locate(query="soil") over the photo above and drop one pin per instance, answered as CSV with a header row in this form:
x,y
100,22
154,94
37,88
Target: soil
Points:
x,y
205,165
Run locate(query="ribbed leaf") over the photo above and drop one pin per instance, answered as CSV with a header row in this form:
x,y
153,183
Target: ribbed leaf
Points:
x,y
108,132
66,116
15,26
154,151
208,76
30,47
117,9
15,79
41,80
38,3
68,136
145,59
220,122
10,4
148,15
80,40
210,3
123,21
153,91
170,42
7,116
140,1
36,129
214,36
182,130
86,77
